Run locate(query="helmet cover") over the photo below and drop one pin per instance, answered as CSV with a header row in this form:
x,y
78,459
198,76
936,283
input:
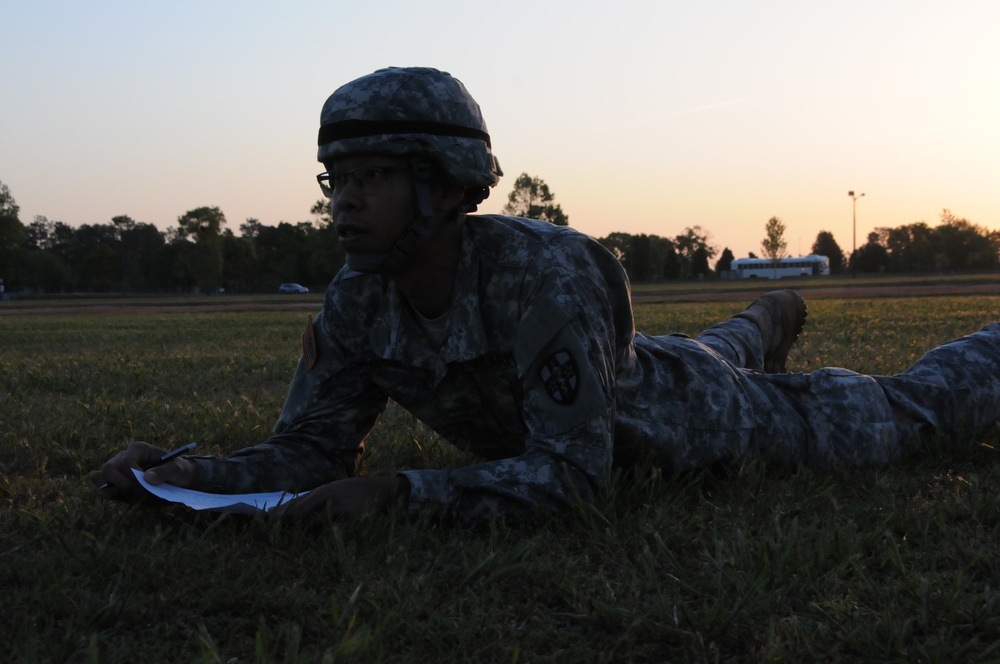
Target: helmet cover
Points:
x,y
411,111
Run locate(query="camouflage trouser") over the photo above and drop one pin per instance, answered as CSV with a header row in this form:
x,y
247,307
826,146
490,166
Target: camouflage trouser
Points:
x,y
738,340
838,416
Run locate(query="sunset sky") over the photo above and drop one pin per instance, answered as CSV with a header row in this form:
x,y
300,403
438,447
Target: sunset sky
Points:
x,y
642,117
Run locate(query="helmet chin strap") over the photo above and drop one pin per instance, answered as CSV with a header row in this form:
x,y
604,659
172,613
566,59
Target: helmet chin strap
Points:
x,y
425,222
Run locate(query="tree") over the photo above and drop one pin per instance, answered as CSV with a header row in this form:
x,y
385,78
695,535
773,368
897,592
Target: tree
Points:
x,y
239,262
140,241
8,206
204,261
44,271
171,265
618,244
40,234
326,257
201,224
49,249
688,245
12,234
282,253
911,247
639,265
725,261
872,257
124,225
531,198
773,245
95,258
825,245
644,257
963,245
699,262
956,244
672,268
322,211
250,229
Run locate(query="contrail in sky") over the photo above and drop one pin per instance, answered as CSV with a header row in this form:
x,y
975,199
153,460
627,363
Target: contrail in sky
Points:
x,y
672,114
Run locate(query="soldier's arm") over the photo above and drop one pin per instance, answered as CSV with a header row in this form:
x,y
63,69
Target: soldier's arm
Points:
x,y
566,361
318,438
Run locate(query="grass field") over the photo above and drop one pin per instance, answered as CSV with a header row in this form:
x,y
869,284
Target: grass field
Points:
x,y
748,563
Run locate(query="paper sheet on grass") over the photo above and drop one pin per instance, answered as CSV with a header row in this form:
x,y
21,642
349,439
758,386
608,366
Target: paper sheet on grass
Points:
x,y
239,503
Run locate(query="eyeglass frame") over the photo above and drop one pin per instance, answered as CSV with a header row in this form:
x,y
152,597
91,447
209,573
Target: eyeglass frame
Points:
x,y
365,187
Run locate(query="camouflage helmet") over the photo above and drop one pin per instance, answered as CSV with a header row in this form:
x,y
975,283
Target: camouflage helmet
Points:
x,y
413,111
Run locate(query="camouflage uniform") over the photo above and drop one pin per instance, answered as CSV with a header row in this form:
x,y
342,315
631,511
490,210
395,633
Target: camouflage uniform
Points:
x,y
543,375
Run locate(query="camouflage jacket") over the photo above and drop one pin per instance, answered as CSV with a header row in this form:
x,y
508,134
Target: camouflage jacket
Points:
x,y
541,374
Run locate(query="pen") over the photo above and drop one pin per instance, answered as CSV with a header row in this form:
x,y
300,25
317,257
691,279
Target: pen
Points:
x,y
173,454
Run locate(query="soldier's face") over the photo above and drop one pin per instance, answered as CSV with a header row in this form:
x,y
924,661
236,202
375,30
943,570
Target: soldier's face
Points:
x,y
373,201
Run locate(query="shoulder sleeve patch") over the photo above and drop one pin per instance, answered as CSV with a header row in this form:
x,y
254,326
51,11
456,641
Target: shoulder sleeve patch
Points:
x,y
560,376
310,352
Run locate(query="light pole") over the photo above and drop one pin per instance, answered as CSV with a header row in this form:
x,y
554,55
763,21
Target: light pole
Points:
x,y
854,231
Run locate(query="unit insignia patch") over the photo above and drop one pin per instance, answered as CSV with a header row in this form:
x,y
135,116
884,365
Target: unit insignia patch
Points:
x,y
560,377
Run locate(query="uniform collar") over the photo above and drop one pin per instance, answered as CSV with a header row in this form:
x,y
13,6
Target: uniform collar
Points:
x,y
396,334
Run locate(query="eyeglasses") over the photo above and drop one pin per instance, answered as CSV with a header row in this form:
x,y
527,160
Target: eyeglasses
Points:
x,y
368,179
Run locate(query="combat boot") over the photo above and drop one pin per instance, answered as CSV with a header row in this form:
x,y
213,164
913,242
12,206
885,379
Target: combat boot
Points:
x,y
780,315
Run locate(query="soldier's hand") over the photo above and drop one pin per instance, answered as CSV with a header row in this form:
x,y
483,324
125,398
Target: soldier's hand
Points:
x,y
350,496
115,479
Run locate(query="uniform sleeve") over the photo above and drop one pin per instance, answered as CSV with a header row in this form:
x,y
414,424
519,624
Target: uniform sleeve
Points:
x,y
318,437
565,353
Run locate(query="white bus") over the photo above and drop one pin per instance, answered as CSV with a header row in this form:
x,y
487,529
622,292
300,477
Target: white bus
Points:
x,y
765,268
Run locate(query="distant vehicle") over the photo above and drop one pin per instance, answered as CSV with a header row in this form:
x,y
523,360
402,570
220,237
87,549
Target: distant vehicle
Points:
x,y
292,288
765,268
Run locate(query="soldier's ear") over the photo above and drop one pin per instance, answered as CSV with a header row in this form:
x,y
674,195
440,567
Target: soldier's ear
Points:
x,y
449,196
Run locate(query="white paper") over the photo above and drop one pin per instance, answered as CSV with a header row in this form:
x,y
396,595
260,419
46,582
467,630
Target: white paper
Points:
x,y
238,503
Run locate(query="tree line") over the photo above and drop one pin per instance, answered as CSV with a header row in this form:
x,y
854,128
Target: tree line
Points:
x,y
954,245
202,254
199,254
